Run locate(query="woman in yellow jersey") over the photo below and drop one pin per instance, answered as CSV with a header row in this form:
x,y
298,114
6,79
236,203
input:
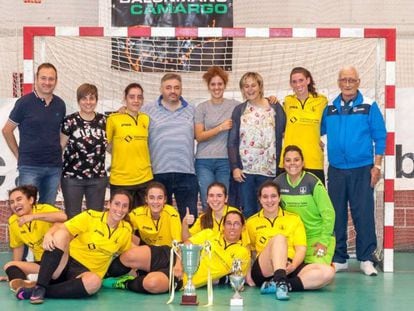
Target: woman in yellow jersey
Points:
x,y
27,226
79,251
304,111
153,261
127,135
213,217
279,239
156,223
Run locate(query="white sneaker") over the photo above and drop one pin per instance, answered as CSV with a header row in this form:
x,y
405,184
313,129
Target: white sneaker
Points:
x,y
368,268
340,266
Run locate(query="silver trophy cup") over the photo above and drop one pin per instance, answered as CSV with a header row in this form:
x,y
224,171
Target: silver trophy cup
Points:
x,y
190,257
237,282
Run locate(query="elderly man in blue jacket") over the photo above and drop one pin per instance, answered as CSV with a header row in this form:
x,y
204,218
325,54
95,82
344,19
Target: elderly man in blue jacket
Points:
x,y
356,136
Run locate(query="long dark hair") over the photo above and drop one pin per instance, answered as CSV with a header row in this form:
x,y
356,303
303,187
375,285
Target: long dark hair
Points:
x,y
132,86
267,184
29,191
293,148
129,196
206,220
307,74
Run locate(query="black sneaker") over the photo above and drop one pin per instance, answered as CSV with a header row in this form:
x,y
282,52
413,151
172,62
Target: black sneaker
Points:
x,y
38,295
23,293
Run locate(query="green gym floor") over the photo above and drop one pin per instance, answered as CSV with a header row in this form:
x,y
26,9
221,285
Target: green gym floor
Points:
x,y
350,291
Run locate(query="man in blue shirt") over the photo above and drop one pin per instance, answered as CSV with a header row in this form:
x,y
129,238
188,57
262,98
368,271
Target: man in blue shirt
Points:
x,y
356,138
38,116
171,142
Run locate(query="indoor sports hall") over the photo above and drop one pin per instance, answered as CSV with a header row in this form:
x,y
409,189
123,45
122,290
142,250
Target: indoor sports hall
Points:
x,y
112,43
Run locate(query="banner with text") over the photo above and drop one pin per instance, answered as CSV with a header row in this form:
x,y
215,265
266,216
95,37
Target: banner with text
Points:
x,y
170,54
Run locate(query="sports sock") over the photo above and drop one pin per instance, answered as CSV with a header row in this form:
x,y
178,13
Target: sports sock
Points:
x,y
49,263
14,272
69,289
279,275
117,268
136,285
295,284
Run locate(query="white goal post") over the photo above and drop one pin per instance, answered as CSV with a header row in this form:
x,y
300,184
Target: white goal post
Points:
x,y
87,54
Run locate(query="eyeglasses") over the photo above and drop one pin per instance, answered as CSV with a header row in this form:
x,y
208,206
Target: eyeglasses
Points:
x,y
348,81
235,224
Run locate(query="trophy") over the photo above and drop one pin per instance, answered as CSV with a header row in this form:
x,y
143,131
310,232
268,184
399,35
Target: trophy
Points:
x,y
237,282
190,257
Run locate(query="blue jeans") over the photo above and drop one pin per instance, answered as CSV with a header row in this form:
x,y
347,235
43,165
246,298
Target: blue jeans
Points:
x,y
73,190
184,187
353,186
209,171
45,178
248,193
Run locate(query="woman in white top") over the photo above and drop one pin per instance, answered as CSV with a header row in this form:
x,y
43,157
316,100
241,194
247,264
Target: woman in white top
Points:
x,y
255,140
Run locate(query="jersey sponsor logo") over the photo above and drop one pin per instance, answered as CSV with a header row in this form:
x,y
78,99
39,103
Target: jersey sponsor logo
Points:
x,y
128,138
262,240
293,120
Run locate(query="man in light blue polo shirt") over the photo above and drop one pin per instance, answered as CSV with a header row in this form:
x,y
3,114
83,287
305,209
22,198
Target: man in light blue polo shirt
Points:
x,y
171,142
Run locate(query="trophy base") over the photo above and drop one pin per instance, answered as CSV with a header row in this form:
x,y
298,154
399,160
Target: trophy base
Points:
x,y
236,302
189,300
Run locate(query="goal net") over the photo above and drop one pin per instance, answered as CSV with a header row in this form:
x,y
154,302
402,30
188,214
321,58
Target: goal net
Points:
x,y
112,62
111,58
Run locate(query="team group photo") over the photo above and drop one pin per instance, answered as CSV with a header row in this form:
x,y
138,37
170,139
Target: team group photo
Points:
x,y
174,154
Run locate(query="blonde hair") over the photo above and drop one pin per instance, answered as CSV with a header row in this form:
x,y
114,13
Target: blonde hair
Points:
x,y
256,77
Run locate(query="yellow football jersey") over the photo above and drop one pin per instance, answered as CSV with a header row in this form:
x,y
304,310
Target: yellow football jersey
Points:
x,y
157,232
95,243
262,229
130,163
31,233
222,256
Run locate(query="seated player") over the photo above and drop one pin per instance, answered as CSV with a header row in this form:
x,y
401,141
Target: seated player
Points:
x,y
304,194
78,252
153,262
213,216
27,225
156,223
279,239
